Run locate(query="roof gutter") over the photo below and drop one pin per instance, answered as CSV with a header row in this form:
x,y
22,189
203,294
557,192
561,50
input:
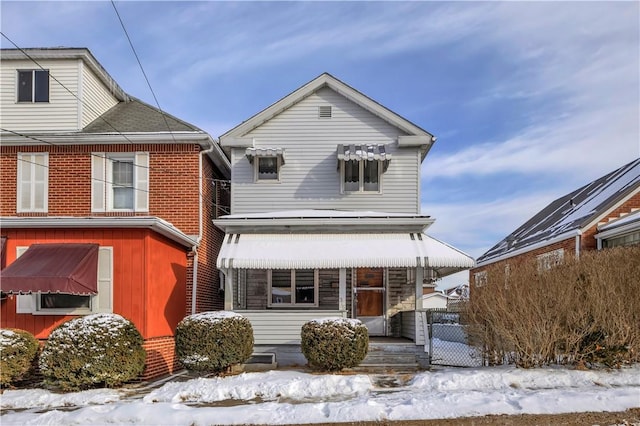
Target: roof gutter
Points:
x,y
156,224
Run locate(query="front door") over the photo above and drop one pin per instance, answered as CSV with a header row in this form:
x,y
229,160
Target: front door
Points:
x,y
370,299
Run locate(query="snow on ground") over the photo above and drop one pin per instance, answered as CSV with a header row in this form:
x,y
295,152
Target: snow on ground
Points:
x,y
281,397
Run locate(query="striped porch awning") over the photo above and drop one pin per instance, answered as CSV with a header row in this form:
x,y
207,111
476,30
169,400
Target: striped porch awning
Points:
x,y
328,251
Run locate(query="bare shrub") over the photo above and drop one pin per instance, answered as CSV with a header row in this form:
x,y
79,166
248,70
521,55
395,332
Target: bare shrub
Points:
x,y
584,310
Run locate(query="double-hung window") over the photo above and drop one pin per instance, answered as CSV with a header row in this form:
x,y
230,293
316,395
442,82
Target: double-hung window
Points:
x,y
293,287
33,182
33,86
266,162
120,181
361,167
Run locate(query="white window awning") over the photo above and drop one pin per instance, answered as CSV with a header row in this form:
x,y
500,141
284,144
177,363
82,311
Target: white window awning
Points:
x,y
252,153
372,152
327,251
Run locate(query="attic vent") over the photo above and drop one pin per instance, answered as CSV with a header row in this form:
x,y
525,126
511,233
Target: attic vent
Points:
x,y
324,111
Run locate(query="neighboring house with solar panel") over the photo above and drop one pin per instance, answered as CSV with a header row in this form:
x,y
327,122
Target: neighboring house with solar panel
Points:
x,y
325,220
107,192
603,213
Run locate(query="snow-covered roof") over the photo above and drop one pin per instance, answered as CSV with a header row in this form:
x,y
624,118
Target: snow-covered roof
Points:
x,y
307,251
569,214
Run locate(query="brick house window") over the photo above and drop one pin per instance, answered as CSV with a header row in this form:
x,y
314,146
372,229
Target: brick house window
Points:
x,y
480,278
33,182
550,259
120,181
33,86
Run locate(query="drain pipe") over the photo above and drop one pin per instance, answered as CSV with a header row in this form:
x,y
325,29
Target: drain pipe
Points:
x,y
194,287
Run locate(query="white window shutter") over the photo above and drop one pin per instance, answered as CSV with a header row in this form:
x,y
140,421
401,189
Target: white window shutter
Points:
x,y
25,303
33,182
98,178
142,182
103,301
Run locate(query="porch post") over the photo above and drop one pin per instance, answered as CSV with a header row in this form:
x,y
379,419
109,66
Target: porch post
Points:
x,y
342,289
228,290
419,279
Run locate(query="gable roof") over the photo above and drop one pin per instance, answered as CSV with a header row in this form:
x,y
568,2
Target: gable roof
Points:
x,y
137,116
570,214
327,80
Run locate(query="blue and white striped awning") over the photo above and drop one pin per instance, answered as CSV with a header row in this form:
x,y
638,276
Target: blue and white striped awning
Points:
x,y
328,251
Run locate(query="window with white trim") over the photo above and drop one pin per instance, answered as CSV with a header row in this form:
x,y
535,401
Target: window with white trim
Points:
x,y
33,85
120,181
267,168
67,304
293,287
550,259
33,182
360,175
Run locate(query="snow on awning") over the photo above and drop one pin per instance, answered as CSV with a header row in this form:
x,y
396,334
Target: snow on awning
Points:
x,y
252,153
67,268
323,251
372,152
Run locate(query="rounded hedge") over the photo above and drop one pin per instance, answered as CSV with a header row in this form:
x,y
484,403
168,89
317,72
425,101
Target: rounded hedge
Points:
x,y
18,350
214,341
92,351
332,344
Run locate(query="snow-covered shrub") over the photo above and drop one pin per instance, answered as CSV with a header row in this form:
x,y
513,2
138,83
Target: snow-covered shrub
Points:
x,y
18,350
214,341
332,344
96,350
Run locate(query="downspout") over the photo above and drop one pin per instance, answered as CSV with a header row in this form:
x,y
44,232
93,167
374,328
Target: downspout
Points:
x,y
194,287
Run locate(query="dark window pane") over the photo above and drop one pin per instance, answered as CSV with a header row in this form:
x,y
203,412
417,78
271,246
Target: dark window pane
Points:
x,y
371,176
280,286
267,168
305,288
64,301
351,175
25,86
42,86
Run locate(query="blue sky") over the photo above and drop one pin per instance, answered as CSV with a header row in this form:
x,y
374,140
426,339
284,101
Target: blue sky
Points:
x,y
528,100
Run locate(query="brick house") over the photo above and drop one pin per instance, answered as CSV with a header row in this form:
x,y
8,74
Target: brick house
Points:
x,y
83,165
602,213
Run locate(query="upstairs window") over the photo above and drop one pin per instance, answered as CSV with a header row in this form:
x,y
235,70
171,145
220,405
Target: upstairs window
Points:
x,y
33,86
267,163
33,182
361,167
120,181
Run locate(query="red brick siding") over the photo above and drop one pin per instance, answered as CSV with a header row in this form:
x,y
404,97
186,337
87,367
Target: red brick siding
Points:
x,y
161,357
587,240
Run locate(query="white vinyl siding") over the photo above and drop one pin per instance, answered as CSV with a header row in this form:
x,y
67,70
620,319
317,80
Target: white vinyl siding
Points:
x,y
105,191
310,178
33,182
59,114
100,303
96,98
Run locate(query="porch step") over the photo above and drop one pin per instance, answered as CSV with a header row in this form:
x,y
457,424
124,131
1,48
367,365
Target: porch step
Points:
x,y
383,356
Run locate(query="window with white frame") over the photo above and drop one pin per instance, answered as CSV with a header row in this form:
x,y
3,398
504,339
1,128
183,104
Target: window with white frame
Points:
x,y
293,287
550,259
33,182
360,175
33,86
631,239
67,304
120,181
267,168
480,278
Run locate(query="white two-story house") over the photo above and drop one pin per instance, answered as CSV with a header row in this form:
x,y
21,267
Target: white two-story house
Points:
x,y
325,218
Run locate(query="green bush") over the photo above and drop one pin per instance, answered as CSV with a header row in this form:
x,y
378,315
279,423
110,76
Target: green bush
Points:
x,y
214,341
92,351
332,344
18,350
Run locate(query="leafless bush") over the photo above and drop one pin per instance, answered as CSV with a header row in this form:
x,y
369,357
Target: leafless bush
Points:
x,y
583,311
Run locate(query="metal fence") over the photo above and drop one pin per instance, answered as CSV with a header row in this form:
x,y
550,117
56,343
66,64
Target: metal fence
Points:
x,y
448,342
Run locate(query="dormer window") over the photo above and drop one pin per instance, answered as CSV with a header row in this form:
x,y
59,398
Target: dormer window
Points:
x,y
33,86
361,167
267,163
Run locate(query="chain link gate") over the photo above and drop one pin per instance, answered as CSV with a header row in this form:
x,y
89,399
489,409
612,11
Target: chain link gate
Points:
x,y
448,343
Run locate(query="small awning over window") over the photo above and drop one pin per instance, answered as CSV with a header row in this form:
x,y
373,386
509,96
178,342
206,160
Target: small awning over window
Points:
x,y
252,153
53,268
328,251
363,152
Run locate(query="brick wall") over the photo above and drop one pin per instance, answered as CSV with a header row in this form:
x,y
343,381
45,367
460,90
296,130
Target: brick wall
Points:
x,y
161,358
587,240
